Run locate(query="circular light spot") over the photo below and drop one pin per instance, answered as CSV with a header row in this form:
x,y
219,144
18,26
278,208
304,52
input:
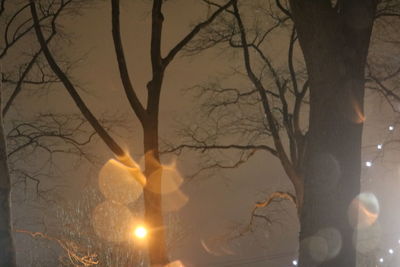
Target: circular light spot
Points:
x,y
174,201
363,210
171,179
327,168
209,247
216,246
117,182
112,221
333,239
318,248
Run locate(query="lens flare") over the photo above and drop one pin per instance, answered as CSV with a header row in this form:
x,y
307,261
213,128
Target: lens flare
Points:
x,y
216,246
357,108
318,248
333,239
364,210
112,221
133,167
171,179
174,201
118,183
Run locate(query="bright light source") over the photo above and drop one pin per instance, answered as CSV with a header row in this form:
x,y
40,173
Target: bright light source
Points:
x,y
379,146
368,163
391,128
398,241
381,260
140,232
391,251
294,262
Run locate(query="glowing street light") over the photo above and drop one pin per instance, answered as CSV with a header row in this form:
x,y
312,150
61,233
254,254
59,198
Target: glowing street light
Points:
x,y
294,262
368,163
140,232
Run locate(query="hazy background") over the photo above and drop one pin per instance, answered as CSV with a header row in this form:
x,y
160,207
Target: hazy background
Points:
x,y
218,203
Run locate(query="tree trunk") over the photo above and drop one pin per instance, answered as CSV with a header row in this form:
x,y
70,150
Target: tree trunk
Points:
x,y
335,44
332,175
7,249
152,196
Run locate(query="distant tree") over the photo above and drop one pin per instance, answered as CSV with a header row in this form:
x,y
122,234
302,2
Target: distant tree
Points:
x,y
323,161
31,138
15,27
147,114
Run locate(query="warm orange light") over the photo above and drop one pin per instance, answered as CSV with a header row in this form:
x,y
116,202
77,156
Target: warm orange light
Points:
x,y
140,232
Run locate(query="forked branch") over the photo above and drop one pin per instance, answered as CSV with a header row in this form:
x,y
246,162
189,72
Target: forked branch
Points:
x,y
123,69
193,33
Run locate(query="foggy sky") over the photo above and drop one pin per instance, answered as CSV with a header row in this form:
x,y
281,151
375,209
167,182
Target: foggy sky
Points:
x,y
216,203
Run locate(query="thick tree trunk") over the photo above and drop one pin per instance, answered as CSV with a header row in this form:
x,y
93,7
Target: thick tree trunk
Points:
x,y
7,249
332,176
335,44
152,196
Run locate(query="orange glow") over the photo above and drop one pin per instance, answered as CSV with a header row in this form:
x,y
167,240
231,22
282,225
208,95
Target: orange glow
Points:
x,y
140,232
132,167
112,221
364,210
366,216
358,116
176,263
118,183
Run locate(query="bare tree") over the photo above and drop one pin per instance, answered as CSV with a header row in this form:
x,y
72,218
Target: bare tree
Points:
x,y
323,161
147,114
18,72
15,29
7,254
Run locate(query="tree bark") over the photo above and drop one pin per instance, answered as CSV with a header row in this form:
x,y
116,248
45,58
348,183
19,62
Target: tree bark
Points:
x,y
152,195
335,42
7,248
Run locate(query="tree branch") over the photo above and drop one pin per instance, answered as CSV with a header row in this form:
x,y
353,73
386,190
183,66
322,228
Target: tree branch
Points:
x,y
287,165
273,197
108,140
284,10
21,80
193,33
179,148
72,250
123,69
